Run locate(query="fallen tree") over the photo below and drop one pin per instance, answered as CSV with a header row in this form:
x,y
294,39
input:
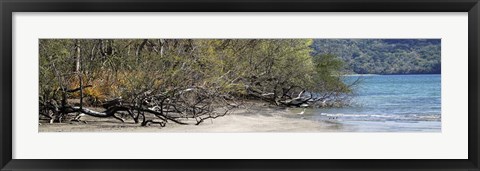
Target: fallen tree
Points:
x,y
189,106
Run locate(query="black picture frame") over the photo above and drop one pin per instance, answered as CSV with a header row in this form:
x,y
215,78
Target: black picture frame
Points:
x,y
7,7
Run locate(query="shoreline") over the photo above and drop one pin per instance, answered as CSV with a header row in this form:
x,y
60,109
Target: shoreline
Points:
x,y
251,117
246,121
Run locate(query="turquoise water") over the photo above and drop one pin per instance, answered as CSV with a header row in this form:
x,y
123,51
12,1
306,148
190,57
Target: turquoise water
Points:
x,y
390,103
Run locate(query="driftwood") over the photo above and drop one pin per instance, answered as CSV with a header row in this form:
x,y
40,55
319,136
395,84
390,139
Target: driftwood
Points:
x,y
284,98
191,103
280,93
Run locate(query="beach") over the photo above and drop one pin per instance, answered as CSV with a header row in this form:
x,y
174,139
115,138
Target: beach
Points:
x,y
257,118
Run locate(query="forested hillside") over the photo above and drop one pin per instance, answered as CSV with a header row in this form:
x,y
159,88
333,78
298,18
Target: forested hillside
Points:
x,y
384,56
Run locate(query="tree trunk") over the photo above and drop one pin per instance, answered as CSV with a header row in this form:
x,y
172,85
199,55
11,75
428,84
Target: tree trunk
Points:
x,y
78,70
77,58
140,47
162,42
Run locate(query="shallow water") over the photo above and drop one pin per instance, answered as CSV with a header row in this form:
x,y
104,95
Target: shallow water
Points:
x,y
392,103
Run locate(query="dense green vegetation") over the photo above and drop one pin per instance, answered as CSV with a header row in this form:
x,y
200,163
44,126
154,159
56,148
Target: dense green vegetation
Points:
x,y
175,79
384,56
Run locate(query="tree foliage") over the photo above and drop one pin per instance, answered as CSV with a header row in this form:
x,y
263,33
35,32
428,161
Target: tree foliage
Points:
x,y
178,79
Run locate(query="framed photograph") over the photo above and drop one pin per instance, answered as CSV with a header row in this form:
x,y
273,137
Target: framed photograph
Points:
x,y
262,85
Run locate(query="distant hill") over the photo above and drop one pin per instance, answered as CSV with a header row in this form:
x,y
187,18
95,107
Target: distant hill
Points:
x,y
384,56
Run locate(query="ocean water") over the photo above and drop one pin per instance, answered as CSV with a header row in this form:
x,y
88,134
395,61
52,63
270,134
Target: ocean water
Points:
x,y
390,103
